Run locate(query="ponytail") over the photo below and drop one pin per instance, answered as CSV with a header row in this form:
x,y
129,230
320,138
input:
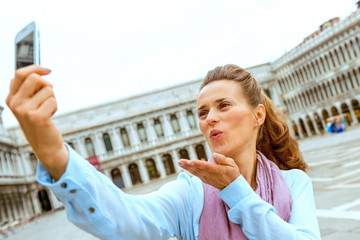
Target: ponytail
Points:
x,y
274,139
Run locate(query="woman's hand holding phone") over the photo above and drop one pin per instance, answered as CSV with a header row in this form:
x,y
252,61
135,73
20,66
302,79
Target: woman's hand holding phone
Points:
x,y
32,101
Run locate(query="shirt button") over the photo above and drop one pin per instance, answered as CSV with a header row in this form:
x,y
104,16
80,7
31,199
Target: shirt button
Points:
x,y
63,185
73,191
91,209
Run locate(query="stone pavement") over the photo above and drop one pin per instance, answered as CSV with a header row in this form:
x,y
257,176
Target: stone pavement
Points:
x,y
334,166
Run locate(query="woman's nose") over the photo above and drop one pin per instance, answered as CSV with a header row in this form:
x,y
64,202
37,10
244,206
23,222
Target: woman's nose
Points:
x,y
211,118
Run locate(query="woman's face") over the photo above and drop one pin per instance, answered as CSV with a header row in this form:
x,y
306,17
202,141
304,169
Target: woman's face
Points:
x,y
227,121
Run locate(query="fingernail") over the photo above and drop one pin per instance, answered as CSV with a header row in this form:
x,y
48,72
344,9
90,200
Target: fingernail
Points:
x,y
191,163
180,164
216,156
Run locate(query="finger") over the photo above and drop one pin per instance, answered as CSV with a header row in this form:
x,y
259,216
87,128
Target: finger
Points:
x,y
22,73
198,165
221,159
31,85
48,108
40,97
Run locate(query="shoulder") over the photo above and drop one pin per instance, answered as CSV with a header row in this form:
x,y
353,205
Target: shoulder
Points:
x,y
297,180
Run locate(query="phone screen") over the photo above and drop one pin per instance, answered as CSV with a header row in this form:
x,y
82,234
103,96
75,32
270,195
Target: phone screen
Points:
x,y
25,51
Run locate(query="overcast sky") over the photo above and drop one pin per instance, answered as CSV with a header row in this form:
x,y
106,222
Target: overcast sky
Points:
x,y
104,50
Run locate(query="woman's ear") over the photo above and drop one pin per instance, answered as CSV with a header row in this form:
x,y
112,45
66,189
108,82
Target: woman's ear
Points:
x,y
260,114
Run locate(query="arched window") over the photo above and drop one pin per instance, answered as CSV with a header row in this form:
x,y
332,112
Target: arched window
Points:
x,y
356,107
89,147
151,168
107,142
345,110
175,123
124,137
302,127
200,152
334,111
134,174
168,164
117,178
141,132
33,161
71,145
44,200
184,154
158,128
191,119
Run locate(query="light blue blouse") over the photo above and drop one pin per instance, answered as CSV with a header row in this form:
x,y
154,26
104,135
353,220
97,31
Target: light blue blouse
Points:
x,y
96,205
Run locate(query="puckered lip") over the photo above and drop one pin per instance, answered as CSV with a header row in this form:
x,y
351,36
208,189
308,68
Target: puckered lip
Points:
x,y
215,133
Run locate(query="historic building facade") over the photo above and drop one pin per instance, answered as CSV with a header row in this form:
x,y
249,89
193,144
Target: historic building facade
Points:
x,y
320,78
139,139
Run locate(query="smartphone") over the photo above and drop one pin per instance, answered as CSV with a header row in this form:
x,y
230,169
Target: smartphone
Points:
x,y
27,46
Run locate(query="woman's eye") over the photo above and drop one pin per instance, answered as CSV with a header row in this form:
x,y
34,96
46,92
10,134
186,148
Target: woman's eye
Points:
x,y
224,105
202,114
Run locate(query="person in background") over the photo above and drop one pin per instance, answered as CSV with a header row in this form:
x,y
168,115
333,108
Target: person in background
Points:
x,y
253,187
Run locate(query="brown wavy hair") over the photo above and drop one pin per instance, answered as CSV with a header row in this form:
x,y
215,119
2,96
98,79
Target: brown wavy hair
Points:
x,y
274,139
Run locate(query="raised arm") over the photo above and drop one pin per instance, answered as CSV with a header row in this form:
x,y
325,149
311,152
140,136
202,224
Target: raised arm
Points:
x,y
32,101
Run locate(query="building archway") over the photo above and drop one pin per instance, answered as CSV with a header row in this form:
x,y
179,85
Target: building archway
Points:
x,y
325,115
356,107
302,127
134,174
168,164
334,111
117,178
310,124
318,123
44,200
295,129
200,152
345,110
151,168
184,154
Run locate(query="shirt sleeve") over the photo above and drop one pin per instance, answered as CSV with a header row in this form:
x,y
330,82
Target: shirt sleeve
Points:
x,y
96,205
258,219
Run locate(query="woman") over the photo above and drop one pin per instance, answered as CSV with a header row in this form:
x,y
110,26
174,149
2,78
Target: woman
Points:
x,y
239,194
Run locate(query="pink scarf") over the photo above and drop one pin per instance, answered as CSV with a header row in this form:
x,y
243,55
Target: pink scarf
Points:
x,y
272,188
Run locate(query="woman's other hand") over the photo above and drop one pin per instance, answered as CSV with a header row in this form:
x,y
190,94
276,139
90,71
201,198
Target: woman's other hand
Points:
x,y
218,174
32,101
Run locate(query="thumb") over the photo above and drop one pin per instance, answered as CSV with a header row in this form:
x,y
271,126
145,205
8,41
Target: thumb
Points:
x,y
220,159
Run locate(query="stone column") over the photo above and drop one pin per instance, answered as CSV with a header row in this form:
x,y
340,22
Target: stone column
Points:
x,y
116,139
185,128
150,131
301,135
2,207
134,139
160,166
168,131
80,142
143,171
8,162
192,153
352,114
175,158
25,206
126,176
9,208
35,202
2,166
15,164
99,144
